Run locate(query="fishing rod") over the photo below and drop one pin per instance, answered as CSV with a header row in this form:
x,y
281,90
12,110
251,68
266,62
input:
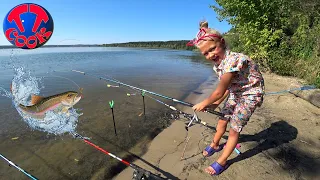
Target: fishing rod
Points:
x,y
150,92
186,115
190,117
139,173
17,167
302,88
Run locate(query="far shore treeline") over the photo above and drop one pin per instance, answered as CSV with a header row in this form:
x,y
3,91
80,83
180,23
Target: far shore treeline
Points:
x,y
181,45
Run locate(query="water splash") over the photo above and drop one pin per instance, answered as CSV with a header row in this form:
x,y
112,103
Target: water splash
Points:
x,y
23,86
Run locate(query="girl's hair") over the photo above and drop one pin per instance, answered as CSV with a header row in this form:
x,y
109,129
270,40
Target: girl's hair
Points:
x,y
210,33
204,24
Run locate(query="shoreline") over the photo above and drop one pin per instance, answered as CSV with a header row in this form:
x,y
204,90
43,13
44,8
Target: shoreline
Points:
x,y
193,97
142,146
288,156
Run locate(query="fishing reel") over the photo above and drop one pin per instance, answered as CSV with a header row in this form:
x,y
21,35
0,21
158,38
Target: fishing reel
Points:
x,y
138,175
142,174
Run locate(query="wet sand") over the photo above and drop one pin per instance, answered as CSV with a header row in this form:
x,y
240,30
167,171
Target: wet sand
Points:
x,y
281,140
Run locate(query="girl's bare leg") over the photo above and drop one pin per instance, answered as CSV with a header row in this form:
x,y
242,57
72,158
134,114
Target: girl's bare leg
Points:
x,y
231,144
221,129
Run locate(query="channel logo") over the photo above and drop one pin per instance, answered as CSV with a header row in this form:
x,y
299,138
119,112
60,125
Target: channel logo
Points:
x,y
28,26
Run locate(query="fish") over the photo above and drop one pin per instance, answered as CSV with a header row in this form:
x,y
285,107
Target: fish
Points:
x,y
60,103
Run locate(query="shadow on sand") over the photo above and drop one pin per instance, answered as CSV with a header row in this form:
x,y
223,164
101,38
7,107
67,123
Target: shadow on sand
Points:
x,y
277,137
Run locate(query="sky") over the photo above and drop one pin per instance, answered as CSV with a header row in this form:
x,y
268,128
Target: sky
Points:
x,y
116,21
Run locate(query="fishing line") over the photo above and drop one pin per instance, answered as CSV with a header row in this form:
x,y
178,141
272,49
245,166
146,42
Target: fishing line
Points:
x,y
64,78
186,115
150,92
129,94
302,88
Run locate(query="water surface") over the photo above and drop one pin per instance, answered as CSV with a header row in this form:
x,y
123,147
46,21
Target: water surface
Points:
x,y
49,156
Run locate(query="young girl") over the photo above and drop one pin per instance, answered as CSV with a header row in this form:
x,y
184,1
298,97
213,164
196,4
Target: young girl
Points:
x,y
240,79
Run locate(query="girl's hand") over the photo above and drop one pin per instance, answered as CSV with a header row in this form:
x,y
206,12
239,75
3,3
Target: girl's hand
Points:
x,y
199,107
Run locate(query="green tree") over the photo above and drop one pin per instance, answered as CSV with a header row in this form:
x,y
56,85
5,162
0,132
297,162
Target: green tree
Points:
x,y
281,35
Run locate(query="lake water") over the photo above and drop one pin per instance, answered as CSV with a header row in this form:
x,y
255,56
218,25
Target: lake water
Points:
x,y
60,156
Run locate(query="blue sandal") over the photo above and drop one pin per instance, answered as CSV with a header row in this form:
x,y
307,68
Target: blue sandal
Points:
x,y
210,150
218,168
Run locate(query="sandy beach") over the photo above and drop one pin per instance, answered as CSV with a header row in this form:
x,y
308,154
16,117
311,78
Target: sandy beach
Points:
x,y
281,140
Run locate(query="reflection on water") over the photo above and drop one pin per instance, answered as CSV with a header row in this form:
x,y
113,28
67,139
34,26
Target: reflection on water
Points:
x,y
48,156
